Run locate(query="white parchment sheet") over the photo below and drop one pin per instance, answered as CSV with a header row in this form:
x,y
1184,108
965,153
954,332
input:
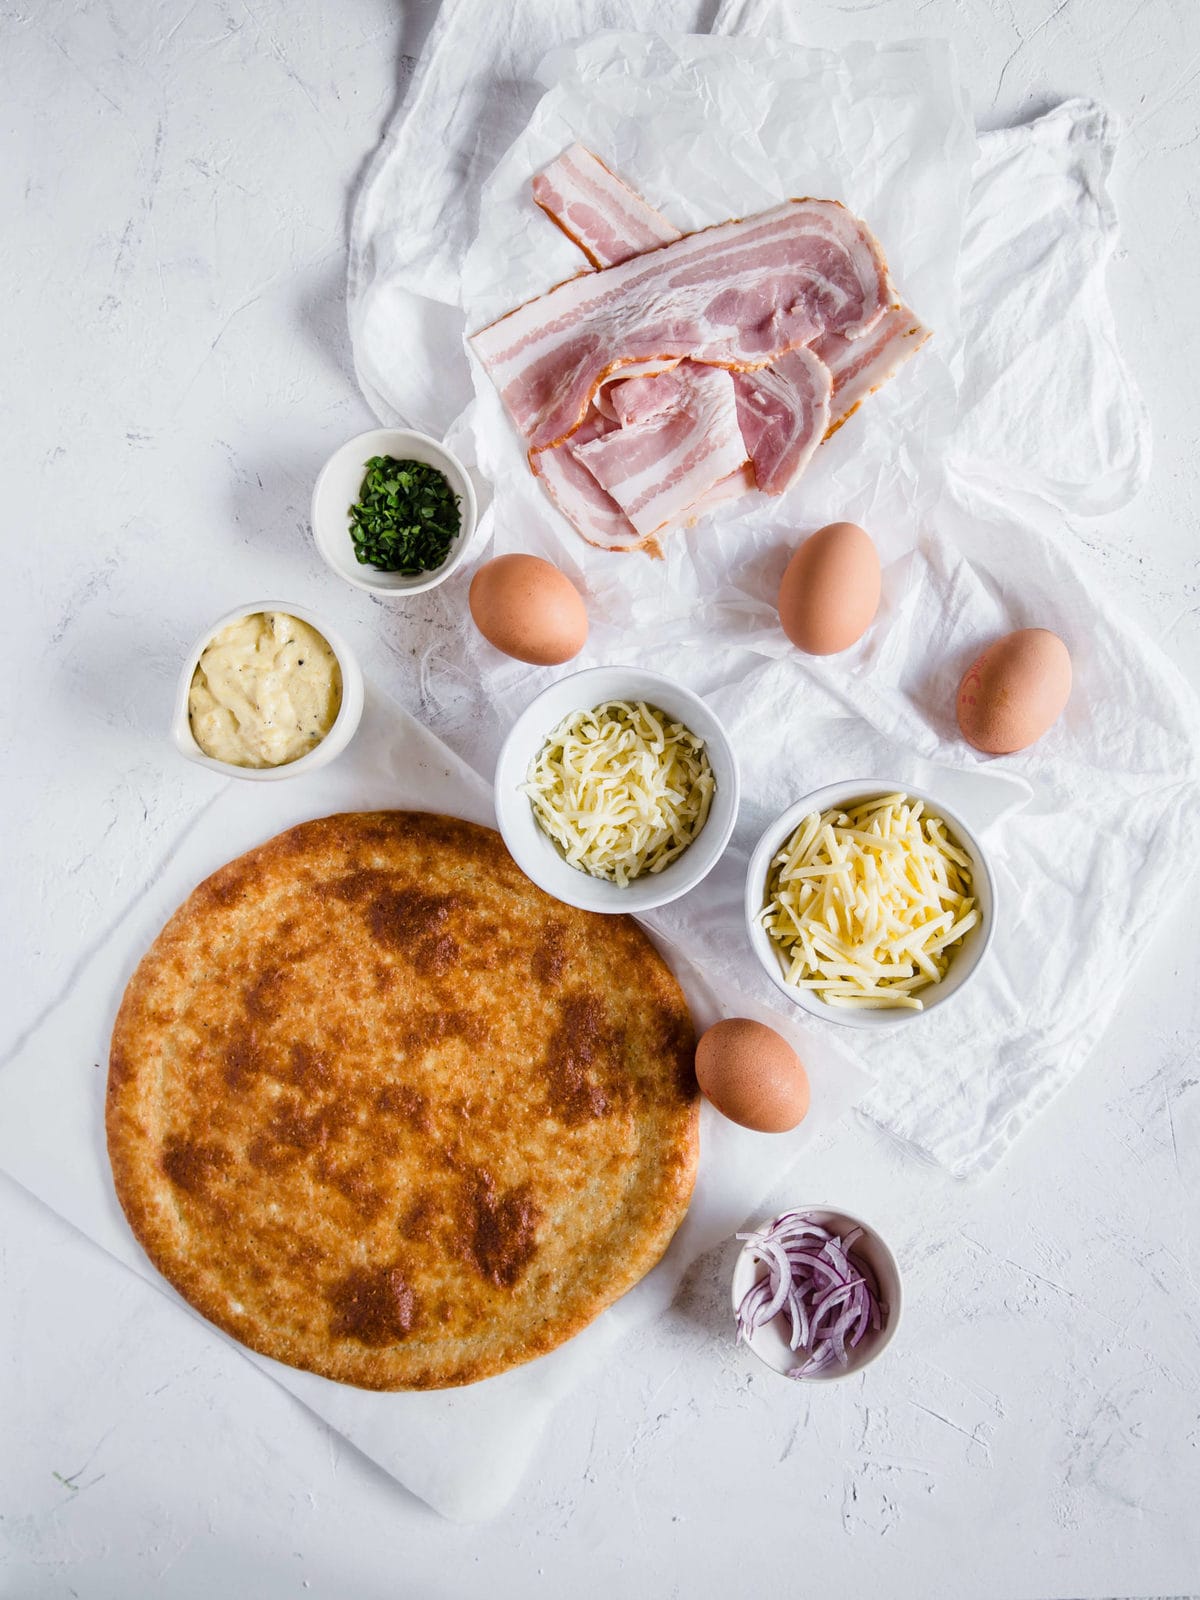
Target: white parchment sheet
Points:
x,y
462,1450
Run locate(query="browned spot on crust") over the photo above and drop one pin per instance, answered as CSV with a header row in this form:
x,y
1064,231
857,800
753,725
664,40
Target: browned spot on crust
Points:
x,y
414,923
310,1071
226,887
676,1040
433,958
352,1182
549,958
305,1253
265,1154
401,918
192,1166
306,1132
420,1220
430,1028
582,1042
242,1059
373,1305
502,1230
402,1100
355,886
264,997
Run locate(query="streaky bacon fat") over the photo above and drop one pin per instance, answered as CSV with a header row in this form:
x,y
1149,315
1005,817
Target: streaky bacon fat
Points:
x,y
735,295
779,407
858,367
590,510
603,398
638,398
783,412
657,468
603,216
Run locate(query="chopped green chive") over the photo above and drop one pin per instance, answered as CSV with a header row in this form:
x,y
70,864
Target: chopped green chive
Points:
x,y
406,517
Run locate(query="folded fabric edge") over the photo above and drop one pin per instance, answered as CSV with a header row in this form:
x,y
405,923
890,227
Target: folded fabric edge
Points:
x,y
1096,128
1181,798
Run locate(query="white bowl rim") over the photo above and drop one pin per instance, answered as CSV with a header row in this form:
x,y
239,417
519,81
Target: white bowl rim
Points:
x,y
345,724
389,586
821,799
597,894
743,1264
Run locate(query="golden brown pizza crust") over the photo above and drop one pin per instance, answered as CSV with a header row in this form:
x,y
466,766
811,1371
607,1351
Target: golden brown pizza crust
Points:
x,y
380,1108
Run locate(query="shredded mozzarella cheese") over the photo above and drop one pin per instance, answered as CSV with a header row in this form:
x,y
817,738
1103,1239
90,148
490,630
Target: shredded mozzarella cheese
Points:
x,y
865,906
622,790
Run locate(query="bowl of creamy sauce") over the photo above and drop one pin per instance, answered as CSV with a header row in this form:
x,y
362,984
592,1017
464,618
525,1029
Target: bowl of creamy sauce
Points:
x,y
268,691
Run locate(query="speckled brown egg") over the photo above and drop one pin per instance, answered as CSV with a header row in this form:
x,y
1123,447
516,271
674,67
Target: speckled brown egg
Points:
x,y
830,590
752,1076
529,609
1015,691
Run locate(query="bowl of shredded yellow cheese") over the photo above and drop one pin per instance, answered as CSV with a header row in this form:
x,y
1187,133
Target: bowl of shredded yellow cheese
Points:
x,y
869,903
616,790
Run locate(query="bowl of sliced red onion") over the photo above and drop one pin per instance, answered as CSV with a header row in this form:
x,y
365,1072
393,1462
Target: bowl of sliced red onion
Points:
x,y
816,1293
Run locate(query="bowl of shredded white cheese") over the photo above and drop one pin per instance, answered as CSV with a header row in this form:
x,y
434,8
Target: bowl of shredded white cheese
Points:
x,y
616,790
869,903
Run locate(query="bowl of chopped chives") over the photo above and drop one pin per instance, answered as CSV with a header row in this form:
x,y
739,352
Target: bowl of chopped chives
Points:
x,y
393,512
870,903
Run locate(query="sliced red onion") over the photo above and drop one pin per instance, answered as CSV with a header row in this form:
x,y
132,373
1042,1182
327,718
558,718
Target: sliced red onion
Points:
x,y
862,1318
799,1314
836,1254
829,1298
805,1258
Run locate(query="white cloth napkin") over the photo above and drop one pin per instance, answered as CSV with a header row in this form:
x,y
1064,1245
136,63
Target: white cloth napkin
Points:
x,y
963,468
461,1450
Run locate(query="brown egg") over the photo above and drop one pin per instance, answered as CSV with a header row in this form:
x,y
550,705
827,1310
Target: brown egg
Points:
x,y
830,591
529,609
752,1076
1015,691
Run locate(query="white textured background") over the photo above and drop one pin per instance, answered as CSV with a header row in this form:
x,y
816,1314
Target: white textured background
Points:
x,y
175,180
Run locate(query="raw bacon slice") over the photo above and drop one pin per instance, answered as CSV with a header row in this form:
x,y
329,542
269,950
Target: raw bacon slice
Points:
x,y
860,366
736,295
658,468
599,213
636,399
590,510
733,487
783,412
640,369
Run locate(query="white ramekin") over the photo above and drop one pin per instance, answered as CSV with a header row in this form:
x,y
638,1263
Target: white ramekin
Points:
x,y
537,855
337,489
334,742
770,1342
964,960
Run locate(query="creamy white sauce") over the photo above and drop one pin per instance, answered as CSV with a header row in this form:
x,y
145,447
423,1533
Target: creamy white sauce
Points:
x,y
266,691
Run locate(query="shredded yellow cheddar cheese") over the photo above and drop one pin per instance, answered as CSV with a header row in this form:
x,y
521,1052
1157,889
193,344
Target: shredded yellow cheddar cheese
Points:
x,y
865,906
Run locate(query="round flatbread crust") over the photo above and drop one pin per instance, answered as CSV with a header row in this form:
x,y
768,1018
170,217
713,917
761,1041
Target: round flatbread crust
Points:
x,y
381,1109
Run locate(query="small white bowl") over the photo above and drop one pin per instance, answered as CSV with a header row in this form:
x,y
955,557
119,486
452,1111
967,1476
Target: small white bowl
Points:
x,y
335,741
770,1342
338,488
964,960
537,855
